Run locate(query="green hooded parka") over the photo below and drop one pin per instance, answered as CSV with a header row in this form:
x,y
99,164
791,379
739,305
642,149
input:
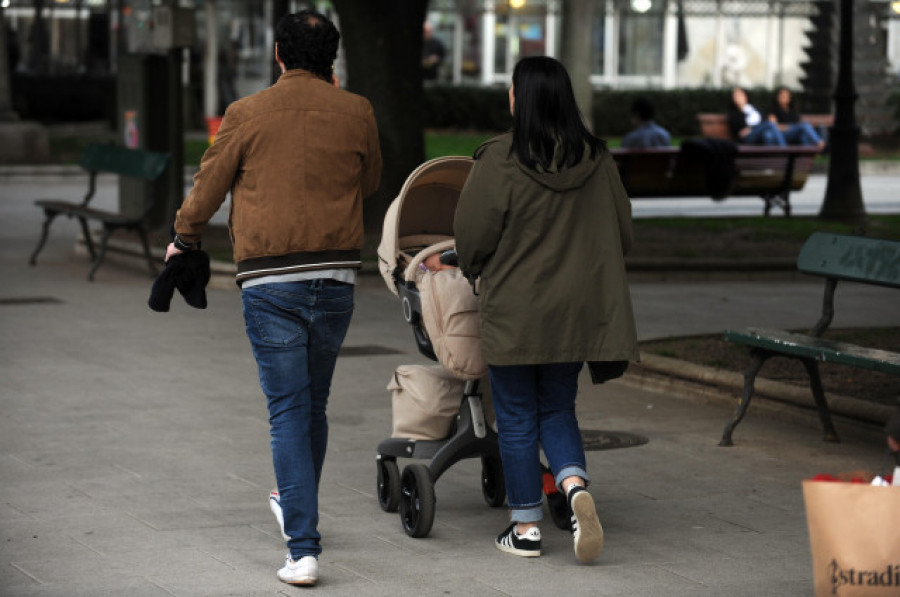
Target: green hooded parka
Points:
x,y
547,249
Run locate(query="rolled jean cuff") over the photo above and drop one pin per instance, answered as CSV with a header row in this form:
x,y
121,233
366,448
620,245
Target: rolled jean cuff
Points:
x,y
570,471
527,514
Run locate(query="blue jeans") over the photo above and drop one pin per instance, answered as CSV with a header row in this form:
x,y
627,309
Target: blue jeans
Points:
x,y
296,330
764,133
535,408
801,133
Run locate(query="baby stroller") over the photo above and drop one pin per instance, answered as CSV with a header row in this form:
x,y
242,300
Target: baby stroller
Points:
x,y
418,225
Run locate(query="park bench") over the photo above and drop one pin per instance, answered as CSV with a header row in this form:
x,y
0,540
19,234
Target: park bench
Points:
x,y
834,257
715,126
768,172
96,159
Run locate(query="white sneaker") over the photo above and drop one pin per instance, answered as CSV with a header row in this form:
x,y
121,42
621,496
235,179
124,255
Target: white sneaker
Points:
x,y
586,530
304,571
275,507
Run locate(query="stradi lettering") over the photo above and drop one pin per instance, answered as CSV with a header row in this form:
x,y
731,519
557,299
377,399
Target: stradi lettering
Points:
x,y
886,577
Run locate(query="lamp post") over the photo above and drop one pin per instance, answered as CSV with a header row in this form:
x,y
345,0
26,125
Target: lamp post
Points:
x,y
843,196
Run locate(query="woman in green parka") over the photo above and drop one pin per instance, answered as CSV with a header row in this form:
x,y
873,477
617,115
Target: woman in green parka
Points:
x,y
541,227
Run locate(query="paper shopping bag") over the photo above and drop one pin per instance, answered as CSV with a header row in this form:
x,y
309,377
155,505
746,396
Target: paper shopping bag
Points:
x,y
854,536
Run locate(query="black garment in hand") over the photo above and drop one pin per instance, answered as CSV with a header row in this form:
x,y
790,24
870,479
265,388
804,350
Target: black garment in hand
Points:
x,y
189,273
717,157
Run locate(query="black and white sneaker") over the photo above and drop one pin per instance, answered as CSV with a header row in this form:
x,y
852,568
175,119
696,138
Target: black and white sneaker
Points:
x,y
527,545
586,530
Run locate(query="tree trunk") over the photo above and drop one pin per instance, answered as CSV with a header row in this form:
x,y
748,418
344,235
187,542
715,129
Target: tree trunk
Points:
x,y
7,113
382,42
576,53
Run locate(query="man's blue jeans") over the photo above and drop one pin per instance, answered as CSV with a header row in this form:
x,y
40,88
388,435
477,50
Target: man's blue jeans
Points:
x,y
296,330
535,408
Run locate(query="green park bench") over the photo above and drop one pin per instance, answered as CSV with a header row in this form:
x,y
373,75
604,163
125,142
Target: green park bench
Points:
x,y
834,257
96,159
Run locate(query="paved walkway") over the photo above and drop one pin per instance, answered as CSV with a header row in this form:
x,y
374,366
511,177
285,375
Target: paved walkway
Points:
x,y
134,455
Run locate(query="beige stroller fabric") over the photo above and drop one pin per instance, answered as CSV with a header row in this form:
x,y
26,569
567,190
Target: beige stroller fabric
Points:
x,y
421,214
450,315
425,400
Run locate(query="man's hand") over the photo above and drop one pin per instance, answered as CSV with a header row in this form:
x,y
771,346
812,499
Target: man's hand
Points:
x,y
171,251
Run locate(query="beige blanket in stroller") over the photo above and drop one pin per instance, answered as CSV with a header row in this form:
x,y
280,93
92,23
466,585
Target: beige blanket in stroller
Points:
x,y
450,316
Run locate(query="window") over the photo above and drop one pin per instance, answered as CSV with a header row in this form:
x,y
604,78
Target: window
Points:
x,y
641,37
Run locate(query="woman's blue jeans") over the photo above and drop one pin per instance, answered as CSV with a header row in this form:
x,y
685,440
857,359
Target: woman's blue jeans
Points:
x,y
801,133
535,408
296,330
764,133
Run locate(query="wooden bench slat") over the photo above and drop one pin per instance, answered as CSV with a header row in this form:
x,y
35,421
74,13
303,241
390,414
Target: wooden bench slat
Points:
x,y
715,124
147,165
672,172
853,258
821,349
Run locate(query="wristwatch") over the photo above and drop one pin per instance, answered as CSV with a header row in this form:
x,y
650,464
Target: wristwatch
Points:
x,y
183,246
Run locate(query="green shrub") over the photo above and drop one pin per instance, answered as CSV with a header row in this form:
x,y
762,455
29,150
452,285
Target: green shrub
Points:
x,y
487,108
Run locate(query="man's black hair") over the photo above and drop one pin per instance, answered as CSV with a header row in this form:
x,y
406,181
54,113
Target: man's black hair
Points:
x,y
307,40
643,109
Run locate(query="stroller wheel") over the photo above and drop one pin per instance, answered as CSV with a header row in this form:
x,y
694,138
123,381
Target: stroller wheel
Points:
x,y
416,500
388,487
493,486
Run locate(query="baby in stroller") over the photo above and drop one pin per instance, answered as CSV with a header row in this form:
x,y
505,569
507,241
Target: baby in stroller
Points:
x,y
439,413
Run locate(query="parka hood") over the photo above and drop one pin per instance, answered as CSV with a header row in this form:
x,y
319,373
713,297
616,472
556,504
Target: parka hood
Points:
x,y
564,179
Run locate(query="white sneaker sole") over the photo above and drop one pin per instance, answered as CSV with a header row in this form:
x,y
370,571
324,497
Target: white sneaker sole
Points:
x,y
589,537
279,516
530,553
303,581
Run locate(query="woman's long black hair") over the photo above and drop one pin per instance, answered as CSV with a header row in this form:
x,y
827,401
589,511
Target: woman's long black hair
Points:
x,y
546,118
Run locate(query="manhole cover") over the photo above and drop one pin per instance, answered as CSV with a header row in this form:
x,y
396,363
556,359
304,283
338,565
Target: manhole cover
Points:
x,y
366,350
594,440
29,300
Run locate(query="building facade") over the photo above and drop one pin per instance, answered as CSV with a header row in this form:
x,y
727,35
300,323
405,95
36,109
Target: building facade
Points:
x,y
661,44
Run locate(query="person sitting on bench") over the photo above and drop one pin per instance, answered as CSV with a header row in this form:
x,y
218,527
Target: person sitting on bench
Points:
x,y
795,130
747,125
646,132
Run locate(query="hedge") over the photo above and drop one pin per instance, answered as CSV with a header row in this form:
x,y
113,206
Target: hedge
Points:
x,y
487,108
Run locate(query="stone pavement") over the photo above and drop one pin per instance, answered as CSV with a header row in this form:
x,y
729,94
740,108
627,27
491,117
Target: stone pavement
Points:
x,y
134,455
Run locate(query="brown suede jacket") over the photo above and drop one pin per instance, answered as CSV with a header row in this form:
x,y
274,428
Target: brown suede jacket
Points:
x,y
298,158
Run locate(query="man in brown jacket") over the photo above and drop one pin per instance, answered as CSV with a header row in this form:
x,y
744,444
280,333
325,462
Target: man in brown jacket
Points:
x,y
298,158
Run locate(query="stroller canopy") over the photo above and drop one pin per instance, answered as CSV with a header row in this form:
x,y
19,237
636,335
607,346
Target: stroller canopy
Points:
x,y
422,214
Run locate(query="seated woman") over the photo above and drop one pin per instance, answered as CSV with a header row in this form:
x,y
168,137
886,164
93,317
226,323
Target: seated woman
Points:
x,y
747,125
795,130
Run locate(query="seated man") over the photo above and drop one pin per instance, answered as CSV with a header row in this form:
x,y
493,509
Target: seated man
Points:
x,y
646,133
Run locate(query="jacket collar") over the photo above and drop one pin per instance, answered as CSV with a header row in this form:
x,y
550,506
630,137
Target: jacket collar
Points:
x,y
297,72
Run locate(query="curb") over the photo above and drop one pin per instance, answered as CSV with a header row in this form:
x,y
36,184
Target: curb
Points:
x,y
712,385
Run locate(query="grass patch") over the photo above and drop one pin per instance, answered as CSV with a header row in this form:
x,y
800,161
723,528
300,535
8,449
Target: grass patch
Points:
x,y
438,144
194,150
